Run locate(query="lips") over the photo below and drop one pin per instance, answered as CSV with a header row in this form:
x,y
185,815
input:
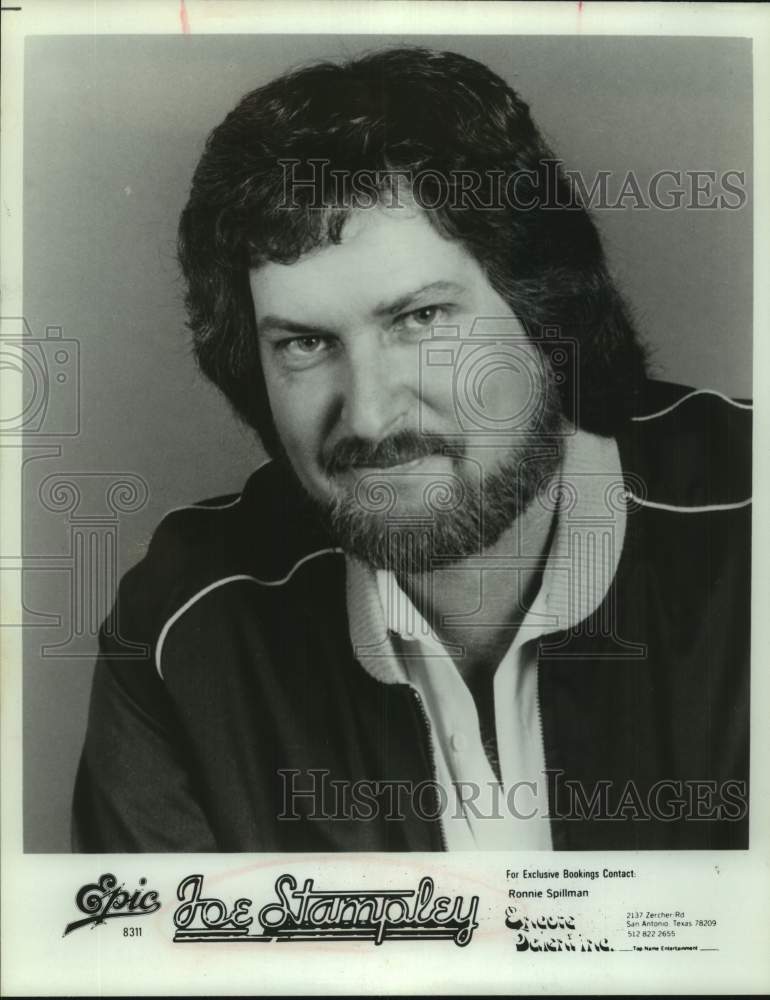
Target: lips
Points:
x,y
432,463
406,463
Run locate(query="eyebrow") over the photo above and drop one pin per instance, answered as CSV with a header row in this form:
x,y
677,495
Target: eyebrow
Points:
x,y
403,301
272,322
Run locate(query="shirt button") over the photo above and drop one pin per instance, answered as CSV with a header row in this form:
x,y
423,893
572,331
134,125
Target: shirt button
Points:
x,y
459,742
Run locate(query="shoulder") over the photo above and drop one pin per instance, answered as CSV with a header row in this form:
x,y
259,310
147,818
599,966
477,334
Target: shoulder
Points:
x,y
688,449
262,536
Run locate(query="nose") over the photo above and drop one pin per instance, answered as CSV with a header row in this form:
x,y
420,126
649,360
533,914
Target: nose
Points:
x,y
374,394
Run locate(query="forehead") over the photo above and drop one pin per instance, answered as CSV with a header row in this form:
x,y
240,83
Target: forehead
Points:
x,y
384,253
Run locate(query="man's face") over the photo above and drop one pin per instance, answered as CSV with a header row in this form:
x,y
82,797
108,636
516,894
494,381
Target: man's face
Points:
x,y
389,423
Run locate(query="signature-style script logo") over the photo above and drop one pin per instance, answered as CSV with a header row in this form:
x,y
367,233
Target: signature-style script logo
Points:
x,y
106,899
310,914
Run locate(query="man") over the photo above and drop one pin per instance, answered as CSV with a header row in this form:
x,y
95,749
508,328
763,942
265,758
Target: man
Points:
x,y
492,589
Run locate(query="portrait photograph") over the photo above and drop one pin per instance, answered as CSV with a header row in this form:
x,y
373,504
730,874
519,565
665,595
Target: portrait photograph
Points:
x,y
381,415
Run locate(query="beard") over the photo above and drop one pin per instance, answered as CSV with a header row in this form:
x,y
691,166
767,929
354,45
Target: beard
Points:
x,y
412,521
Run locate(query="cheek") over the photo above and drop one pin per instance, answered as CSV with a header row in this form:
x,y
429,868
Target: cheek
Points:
x,y
437,393
494,388
512,388
499,388
294,419
298,406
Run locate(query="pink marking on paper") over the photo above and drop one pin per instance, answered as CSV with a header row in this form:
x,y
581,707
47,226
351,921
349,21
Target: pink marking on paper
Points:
x,y
185,20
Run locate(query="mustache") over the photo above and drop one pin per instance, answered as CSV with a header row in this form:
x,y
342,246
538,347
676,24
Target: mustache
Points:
x,y
404,446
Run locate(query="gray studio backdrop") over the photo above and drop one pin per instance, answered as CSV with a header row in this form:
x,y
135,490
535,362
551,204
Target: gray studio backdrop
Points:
x,y
127,429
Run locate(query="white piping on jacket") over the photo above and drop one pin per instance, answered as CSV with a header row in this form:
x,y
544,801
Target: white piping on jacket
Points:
x,y
221,506
221,583
688,510
203,506
696,392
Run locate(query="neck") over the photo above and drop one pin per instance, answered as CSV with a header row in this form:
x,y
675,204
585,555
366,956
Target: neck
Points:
x,y
476,605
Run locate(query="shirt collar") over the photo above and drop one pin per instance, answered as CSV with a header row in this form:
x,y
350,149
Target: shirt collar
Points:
x,y
581,564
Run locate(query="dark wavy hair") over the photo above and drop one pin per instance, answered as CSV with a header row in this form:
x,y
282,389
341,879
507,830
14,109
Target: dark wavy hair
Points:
x,y
412,111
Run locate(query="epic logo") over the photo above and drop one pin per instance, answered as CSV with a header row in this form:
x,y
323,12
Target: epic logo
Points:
x,y
105,899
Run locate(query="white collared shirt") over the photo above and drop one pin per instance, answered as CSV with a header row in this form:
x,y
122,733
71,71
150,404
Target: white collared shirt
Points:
x,y
394,643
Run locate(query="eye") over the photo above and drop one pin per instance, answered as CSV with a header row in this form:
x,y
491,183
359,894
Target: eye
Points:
x,y
422,318
302,350
304,345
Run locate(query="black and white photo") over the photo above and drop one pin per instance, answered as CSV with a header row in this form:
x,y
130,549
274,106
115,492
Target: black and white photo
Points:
x,y
383,417
483,531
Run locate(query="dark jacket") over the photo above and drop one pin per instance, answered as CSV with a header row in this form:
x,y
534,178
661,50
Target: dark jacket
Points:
x,y
644,705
